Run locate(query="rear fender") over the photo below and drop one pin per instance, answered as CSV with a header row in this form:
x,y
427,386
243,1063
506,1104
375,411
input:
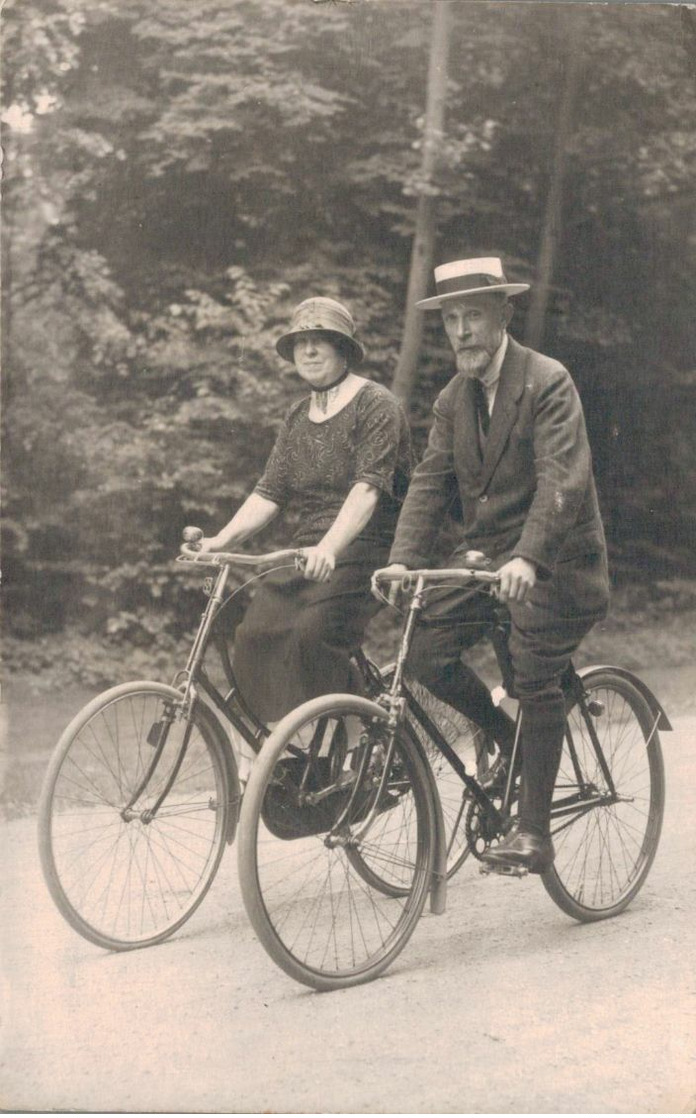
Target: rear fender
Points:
x,y
587,674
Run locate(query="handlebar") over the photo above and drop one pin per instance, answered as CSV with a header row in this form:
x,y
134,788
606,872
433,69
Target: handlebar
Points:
x,y
461,575
190,553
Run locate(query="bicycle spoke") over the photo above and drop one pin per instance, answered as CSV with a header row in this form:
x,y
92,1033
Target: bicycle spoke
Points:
x,y
605,845
335,900
122,873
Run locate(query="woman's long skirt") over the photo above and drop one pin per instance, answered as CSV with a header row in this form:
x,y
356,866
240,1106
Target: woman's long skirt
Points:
x,y
296,637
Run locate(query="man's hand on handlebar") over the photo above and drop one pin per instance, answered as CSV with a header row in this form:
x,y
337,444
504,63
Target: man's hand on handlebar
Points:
x,y
517,577
393,587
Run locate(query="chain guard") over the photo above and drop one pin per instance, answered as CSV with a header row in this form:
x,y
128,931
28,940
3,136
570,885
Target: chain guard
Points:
x,y
287,817
283,813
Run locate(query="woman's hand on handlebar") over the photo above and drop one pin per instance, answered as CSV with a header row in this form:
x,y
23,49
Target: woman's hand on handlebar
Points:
x,y
319,563
196,541
213,543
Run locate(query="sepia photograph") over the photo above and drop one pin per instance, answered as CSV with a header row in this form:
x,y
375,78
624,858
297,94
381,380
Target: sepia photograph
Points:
x,y
348,717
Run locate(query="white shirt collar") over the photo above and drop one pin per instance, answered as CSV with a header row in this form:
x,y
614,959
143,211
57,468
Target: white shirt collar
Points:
x,y
492,373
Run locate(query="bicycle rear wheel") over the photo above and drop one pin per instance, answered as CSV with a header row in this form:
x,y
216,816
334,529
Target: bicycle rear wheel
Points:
x,y
312,882
120,876
606,840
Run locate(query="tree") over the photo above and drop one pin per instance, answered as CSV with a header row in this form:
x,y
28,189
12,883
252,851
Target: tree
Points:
x,y
570,43
427,191
172,186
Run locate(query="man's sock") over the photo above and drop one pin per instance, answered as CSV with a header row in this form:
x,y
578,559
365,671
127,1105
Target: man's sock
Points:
x,y
543,729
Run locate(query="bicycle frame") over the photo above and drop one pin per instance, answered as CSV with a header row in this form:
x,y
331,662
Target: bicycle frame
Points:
x,y
193,676
574,806
399,698
232,705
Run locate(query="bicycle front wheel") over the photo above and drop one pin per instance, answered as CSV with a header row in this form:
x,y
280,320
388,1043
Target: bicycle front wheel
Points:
x,y
124,870
336,842
606,831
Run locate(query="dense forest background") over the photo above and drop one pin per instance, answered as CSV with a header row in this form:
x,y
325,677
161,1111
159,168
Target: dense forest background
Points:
x,y
177,176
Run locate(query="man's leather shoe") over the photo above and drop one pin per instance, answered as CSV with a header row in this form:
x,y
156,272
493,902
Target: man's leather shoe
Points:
x,y
521,850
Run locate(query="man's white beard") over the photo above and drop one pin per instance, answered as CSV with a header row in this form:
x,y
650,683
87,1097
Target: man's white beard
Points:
x,y
473,361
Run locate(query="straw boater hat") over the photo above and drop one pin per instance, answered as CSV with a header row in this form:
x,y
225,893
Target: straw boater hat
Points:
x,y
328,317
470,277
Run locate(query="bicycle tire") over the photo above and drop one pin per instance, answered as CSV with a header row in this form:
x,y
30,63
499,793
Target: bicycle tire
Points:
x,y
120,880
315,913
604,853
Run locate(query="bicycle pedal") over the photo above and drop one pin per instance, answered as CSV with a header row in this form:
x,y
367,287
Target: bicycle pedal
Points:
x,y
503,871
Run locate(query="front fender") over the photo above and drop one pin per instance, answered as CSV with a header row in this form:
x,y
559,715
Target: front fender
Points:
x,y
438,889
234,797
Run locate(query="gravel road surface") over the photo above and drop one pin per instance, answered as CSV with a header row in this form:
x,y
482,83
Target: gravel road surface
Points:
x,y
502,1005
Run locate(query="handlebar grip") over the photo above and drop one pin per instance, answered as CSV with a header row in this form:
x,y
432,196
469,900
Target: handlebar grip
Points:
x,y
395,576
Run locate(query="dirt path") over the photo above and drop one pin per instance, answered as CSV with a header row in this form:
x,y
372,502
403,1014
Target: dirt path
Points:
x,y
501,1005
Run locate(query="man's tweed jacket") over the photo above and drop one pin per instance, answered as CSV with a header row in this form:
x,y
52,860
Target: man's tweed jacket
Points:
x,y
533,495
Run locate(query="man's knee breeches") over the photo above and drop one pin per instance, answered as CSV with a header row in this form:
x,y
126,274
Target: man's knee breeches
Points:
x,y
541,654
452,621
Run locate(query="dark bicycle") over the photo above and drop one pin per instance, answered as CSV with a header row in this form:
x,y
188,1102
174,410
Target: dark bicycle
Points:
x,y
343,836
143,790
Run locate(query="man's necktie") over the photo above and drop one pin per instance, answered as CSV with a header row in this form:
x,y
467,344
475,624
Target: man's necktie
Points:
x,y
482,414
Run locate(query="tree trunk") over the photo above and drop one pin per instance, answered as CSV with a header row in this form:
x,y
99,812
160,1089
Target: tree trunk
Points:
x,y
424,238
569,25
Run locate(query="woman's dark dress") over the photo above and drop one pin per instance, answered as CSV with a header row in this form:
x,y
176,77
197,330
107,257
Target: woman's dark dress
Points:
x,y
295,640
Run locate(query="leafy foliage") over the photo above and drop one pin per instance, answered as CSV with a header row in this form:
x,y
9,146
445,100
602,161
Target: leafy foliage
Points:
x,y
174,184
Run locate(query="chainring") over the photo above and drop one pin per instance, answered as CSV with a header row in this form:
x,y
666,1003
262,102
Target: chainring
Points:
x,y
481,832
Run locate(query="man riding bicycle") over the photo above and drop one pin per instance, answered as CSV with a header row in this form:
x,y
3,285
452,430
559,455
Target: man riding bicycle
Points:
x,y
509,444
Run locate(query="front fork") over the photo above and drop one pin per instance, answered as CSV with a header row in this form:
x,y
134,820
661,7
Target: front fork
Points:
x,y
395,704
157,738
182,711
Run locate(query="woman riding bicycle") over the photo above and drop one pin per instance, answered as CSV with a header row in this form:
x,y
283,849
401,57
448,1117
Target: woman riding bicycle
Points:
x,y
341,463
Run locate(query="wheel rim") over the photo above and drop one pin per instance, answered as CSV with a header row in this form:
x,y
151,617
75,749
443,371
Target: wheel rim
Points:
x,y
339,912
603,852
125,878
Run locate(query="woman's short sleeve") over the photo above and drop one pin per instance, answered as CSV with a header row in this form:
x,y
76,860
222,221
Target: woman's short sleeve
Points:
x,y
273,485
382,450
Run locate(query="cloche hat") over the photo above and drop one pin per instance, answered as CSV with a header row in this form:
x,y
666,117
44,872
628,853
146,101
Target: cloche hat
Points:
x,y
327,316
470,277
